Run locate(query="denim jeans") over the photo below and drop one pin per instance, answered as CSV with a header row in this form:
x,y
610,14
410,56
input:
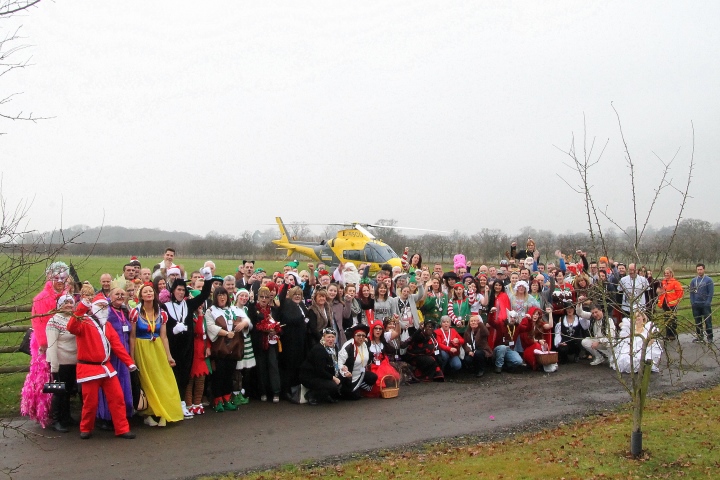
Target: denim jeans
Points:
x,y
505,354
445,359
702,314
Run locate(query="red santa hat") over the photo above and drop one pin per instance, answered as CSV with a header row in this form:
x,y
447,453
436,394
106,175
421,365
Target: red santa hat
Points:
x,y
100,298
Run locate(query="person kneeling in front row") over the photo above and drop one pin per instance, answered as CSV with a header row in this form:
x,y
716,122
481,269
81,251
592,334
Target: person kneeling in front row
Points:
x,y
353,359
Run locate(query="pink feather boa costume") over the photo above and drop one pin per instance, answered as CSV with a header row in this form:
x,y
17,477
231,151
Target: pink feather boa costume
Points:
x,y
34,403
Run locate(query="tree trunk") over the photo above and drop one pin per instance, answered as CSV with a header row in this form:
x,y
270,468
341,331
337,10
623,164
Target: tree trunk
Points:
x,y
638,407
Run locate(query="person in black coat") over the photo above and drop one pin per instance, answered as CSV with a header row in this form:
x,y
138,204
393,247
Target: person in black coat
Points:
x,y
180,327
320,372
295,339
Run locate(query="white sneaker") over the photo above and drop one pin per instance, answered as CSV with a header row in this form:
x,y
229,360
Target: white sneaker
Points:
x,y
186,413
162,422
150,422
598,360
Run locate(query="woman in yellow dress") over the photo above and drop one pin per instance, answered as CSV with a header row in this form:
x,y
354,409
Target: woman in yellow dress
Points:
x,y
153,359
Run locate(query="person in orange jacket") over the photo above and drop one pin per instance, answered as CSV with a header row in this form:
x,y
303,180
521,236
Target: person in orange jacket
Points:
x,y
670,292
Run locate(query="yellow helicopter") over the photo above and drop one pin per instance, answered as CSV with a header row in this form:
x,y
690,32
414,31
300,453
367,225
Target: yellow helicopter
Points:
x,y
354,244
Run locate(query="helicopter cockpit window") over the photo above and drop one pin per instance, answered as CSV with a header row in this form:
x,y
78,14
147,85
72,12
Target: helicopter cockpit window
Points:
x,y
356,255
378,254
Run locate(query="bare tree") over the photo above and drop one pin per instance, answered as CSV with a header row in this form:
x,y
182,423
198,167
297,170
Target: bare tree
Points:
x,y
600,221
12,43
299,230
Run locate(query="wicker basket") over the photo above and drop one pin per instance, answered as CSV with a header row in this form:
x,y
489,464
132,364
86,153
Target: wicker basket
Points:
x,y
387,391
546,358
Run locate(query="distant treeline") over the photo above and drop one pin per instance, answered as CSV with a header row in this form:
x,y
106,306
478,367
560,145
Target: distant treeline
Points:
x,y
695,241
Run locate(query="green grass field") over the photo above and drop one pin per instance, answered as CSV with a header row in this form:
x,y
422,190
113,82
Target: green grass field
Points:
x,y
591,448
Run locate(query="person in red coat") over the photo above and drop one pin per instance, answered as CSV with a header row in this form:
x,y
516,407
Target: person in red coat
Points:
x,y
535,334
94,370
450,342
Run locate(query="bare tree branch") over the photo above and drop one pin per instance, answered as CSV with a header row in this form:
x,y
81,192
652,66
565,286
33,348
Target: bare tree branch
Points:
x,y
13,6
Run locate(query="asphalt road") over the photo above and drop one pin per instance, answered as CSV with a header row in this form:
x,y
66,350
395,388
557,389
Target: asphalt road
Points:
x,y
262,434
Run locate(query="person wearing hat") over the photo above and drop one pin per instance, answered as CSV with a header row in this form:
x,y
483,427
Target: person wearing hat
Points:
x,y
423,354
507,332
247,362
95,342
62,355
118,318
259,274
180,334
535,334
521,300
35,403
353,358
320,372
502,275
569,332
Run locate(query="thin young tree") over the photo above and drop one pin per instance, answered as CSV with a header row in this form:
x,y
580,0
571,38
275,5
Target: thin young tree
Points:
x,y
599,220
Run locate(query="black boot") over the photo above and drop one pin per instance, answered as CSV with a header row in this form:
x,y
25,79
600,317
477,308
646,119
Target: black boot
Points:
x,y
55,410
311,398
65,418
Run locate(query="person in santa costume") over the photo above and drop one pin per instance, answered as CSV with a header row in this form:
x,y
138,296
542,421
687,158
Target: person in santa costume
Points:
x,y
95,342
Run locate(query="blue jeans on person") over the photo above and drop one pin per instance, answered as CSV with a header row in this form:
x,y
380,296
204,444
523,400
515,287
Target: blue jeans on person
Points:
x,y
446,359
505,354
703,314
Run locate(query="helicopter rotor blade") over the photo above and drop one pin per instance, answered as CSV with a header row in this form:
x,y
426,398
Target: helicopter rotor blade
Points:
x,y
405,228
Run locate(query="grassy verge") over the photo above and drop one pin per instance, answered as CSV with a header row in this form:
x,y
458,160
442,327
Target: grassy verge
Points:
x,y
681,434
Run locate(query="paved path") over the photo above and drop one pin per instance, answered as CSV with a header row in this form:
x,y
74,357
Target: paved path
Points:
x,y
262,434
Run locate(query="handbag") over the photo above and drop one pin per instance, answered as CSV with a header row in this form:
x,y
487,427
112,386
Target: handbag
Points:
x,y
24,346
54,387
224,347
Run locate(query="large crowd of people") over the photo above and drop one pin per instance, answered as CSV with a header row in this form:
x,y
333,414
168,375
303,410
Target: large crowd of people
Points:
x,y
166,343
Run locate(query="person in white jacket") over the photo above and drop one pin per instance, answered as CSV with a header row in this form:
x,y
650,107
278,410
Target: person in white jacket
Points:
x,y
602,332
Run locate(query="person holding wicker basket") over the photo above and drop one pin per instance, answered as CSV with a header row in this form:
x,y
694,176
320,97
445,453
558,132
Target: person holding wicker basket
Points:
x,y
536,336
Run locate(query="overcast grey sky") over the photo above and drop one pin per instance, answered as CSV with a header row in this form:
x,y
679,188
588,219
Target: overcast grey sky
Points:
x,y
442,115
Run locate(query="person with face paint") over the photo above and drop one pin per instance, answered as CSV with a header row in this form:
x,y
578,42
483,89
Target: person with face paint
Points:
x,y
95,342
34,403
